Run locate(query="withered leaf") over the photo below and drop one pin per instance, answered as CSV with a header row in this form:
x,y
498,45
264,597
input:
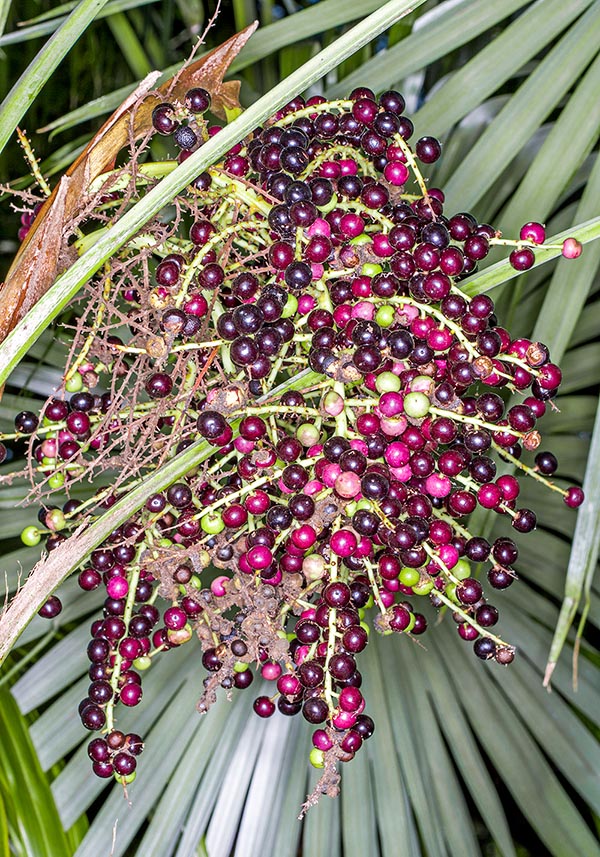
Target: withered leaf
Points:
x,y
42,257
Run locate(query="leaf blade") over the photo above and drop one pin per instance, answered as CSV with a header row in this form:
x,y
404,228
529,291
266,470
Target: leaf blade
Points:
x,y
37,73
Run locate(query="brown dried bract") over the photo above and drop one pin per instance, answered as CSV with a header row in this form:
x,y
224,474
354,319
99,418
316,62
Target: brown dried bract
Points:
x,y
41,257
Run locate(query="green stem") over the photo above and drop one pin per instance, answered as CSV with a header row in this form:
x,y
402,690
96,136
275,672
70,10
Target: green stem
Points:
x,y
456,608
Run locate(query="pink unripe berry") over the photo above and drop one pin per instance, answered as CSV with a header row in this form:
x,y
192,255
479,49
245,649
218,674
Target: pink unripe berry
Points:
x,y
289,685
509,486
304,537
382,246
489,496
437,485
348,167
352,225
393,426
347,484
243,446
309,613
571,248
277,578
364,310
448,555
244,566
50,447
271,671
319,227
330,474
217,586
364,548
301,654
342,315
333,404
402,474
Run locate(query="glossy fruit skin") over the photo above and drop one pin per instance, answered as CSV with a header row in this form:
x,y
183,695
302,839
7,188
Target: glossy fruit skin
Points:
x,y
329,510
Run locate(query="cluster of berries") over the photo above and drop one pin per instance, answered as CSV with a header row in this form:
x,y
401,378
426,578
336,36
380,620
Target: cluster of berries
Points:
x,y
304,318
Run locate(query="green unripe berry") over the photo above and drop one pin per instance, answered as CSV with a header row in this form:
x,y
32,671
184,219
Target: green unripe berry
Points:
x,y
385,316
308,434
317,758
360,240
195,582
291,307
74,384
409,576
462,569
57,480
143,663
31,536
423,588
126,780
416,405
212,524
370,602
387,382
325,209
203,558
371,269
240,667
411,624
451,592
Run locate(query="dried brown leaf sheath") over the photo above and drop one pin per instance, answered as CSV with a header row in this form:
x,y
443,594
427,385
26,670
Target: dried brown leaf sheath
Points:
x,y
42,255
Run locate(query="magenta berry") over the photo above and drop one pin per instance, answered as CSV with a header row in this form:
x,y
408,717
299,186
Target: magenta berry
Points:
x,y
534,232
